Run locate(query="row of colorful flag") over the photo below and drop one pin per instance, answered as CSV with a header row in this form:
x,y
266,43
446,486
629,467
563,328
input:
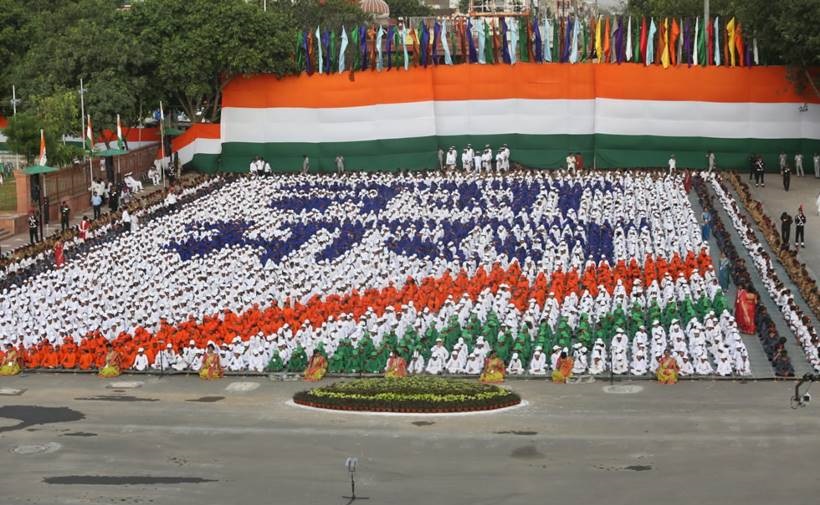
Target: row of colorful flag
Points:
x,y
617,39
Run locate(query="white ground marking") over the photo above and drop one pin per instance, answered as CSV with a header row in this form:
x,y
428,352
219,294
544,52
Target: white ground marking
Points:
x,y
46,448
125,385
11,392
241,387
623,390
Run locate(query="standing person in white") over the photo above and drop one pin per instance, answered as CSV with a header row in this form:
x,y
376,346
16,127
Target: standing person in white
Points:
x,y
710,158
571,163
673,165
450,159
798,165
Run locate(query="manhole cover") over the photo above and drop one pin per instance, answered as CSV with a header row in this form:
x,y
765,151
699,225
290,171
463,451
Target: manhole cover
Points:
x,y
126,385
26,450
241,387
11,392
623,390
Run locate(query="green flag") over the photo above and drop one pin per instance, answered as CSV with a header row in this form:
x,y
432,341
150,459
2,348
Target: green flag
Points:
x,y
488,44
585,42
300,52
355,37
398,43
702,50
523,40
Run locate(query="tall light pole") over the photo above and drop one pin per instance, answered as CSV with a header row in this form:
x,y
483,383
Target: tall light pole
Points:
x,y
14,102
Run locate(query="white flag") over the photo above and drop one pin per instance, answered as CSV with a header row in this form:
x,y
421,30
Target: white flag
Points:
x,y
342,47
448,60
629,39
319,62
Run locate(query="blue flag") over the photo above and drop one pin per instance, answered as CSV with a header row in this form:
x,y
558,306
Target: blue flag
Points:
x,y
505,48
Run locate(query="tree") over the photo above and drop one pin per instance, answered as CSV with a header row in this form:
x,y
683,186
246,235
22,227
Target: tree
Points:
x,y
785,35
408,8
308,14
679,8
783,29
23,135
58,113
66,40
196,47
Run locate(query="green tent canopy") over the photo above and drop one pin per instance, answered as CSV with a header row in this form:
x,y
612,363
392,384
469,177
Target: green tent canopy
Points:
x,y
39,169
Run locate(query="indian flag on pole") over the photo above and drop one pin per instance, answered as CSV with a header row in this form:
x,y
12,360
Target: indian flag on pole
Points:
x,y
42,160
89,136
120,138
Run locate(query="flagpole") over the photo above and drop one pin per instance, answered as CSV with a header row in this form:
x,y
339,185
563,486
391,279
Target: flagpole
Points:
x,y
14,102
82,132
162,145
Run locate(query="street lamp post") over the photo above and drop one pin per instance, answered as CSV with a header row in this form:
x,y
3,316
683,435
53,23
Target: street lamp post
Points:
x,y
14,102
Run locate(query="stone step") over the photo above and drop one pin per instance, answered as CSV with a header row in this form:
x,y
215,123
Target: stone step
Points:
x,y
796,354
757,355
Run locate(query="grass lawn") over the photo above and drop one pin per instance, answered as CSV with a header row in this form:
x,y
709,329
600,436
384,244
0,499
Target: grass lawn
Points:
x,y
8,195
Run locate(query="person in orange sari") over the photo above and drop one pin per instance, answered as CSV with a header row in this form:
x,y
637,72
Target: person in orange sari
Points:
x,y
317,367
667,369
396,367
112,363
494,369
745,311
211,368
563,369
11,363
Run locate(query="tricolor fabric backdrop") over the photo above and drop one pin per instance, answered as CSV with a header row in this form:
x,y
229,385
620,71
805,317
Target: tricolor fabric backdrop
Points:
x,y
617,115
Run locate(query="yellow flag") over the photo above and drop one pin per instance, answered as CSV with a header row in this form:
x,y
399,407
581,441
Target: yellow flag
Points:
x,y
599,48
730,32
665,53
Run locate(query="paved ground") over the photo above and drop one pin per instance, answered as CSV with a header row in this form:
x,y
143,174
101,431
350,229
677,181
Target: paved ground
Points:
x,y
180,440
802,191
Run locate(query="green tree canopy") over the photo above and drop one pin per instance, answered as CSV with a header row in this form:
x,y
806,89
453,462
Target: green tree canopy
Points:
x,y
195,47
408,8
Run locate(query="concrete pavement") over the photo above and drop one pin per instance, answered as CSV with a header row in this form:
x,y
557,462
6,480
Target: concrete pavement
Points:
x,y
802,191
181,440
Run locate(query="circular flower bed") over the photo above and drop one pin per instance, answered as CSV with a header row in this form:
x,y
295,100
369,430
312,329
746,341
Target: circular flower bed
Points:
x,y
408,395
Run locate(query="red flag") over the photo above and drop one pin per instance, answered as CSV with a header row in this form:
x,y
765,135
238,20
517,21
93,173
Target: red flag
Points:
x,y
710,38
662,37
309,54
606,40
592,21
741,48
643,38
